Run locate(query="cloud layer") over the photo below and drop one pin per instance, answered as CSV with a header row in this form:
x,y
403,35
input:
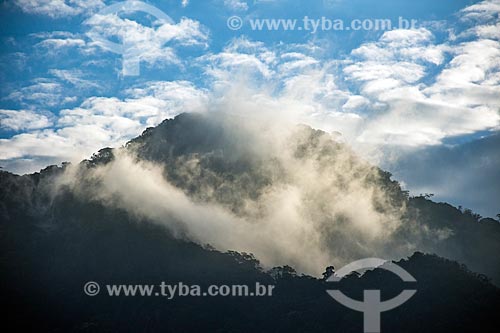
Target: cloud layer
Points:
x,y
292,196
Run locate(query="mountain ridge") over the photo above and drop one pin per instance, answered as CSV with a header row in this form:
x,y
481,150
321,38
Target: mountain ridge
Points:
x,y
214,160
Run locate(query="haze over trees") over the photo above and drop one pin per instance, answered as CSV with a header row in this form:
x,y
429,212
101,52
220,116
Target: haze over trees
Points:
x,y
216,200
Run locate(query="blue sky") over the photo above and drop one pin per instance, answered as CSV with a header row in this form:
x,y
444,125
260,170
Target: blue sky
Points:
x,y
390,93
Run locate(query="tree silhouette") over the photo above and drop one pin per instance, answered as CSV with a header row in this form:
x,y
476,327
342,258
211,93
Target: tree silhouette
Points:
x,y
328,272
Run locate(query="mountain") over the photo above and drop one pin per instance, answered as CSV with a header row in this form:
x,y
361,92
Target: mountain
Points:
x,y
173,204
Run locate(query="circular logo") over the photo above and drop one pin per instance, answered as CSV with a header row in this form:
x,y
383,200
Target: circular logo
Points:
x,y
372,306
234,23
91,288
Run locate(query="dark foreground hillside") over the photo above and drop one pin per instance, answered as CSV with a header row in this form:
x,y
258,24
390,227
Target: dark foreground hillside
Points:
x,y
43,274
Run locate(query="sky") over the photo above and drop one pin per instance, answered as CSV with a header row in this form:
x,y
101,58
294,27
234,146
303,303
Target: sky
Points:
x,y
427,92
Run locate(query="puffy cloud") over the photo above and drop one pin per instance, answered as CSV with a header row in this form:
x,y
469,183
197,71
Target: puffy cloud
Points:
x,y
59,43
295,61
355,102
240,56
425,122
43,143
472,76
237,5
399,58
410,110
482,11
291,83
58,8
403,45
100,122
61,88
488,31
75,77
43,91
374,72
18,120
153,45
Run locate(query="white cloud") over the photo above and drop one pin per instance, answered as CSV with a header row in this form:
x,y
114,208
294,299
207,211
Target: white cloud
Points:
x,y
288,83
409,38
482,11
407,109
43,91
473,63
57,42
237,5
43,143
52,34
295,61
75,77
403,45
355,102
60,43
374,71
425,122
18,120
58,8
491,31
15,60
400,58
152,45
100,122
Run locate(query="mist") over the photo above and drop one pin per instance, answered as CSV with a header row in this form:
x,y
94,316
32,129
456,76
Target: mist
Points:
x,y
286,193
